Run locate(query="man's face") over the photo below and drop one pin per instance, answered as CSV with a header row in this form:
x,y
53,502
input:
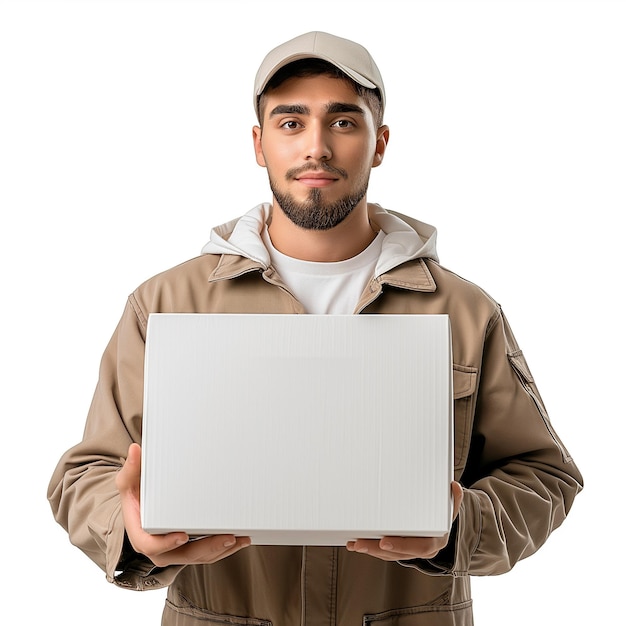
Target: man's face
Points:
x,y
318,143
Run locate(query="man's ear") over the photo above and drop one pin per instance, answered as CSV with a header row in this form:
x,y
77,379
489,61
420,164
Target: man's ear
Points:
x,y
258,150
382,139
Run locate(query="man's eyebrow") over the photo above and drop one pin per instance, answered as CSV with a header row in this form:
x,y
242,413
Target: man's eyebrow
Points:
x,y
344,107
331,107
281,109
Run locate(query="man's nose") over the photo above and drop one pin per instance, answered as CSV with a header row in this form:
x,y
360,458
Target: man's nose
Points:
x,y
317,147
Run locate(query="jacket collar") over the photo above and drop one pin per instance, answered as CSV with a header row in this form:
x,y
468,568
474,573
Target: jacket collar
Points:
x,y
405,238
412,275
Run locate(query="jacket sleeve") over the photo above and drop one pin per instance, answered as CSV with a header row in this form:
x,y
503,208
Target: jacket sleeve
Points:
x,y
519,481
82,491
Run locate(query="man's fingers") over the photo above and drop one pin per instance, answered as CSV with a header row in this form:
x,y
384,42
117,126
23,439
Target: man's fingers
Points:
x,y
411,547
177,549
154,546
398,548
171,548
457,492
129,477
406,548
207,550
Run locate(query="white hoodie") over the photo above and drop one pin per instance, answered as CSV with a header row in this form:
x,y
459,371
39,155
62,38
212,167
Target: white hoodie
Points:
x,y
405,239
327,288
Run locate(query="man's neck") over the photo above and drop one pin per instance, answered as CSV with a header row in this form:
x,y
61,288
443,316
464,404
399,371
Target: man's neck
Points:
x,y
342,242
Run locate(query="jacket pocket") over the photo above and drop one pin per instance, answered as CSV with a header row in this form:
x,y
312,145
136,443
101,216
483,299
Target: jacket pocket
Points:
x,y
428,615
464,384
187,614
521,369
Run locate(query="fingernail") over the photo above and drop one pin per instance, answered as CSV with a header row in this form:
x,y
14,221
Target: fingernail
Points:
x,y
387,546
229,543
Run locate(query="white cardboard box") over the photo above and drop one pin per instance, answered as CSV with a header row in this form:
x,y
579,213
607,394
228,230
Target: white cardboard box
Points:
x,y
298,429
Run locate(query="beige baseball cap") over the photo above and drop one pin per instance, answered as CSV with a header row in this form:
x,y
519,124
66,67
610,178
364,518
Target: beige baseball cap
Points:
x,y
350,57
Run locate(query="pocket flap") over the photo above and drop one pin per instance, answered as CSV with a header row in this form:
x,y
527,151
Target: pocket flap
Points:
x,y
518,361
463,380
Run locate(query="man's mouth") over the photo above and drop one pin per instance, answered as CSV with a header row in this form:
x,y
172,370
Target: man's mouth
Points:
x,y
316,179
323,173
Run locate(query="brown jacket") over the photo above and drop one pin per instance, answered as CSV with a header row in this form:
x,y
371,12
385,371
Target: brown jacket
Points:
x,y
519,479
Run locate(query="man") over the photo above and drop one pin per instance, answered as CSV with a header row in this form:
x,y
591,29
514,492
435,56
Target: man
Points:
x,y
320,247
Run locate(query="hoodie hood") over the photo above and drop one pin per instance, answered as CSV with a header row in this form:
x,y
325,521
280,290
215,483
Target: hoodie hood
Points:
x,y
406,239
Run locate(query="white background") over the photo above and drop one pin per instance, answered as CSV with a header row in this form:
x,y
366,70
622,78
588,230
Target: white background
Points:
x,y
125,135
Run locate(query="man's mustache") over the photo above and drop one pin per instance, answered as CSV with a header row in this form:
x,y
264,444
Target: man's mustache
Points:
x,y
295,172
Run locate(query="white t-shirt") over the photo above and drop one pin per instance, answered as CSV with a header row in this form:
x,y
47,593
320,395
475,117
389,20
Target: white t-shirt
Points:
x,y
327,288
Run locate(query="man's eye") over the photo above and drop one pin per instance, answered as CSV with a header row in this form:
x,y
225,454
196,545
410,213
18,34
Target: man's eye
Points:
x,y
343,124
290,125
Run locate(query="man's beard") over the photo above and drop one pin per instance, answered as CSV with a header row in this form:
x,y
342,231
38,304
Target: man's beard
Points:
x,y
314,213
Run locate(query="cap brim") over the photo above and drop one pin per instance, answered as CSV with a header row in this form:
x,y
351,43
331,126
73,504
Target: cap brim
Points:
x,y
359,78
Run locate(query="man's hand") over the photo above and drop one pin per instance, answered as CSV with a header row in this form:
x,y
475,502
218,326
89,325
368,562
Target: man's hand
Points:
x,y
407,548
172,548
